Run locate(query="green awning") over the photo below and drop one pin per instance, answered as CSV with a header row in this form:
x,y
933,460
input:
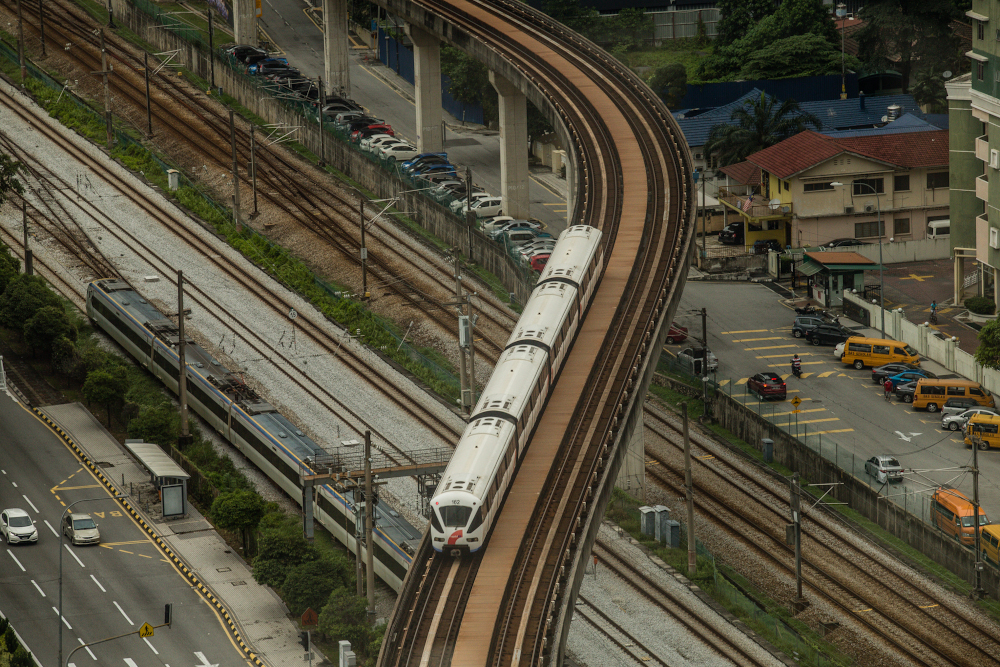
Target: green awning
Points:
x,y
808,268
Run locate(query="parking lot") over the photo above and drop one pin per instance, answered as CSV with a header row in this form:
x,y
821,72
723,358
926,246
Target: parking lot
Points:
x,y
841,409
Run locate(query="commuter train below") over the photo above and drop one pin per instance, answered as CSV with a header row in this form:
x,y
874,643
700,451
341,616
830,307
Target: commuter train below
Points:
x,y
221,397
477,478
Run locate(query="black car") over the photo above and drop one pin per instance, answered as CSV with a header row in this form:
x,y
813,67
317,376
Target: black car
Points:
x,y
841,243
805,323
764,246
732,234
906,390
829,334
880,373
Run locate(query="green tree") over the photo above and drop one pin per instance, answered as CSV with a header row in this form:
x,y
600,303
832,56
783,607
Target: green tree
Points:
x,y
25,295
155,423
21,658
670,83
65,359
907,32
584,20
928,90
309,585
801,55
10,267
630,29
269,572
9,182
738,17
345,617
238,511
46,326
104,387
988,352
281,540
757,124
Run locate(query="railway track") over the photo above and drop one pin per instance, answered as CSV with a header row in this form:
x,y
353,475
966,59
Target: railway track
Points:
x,y
251,283
399,264
864,584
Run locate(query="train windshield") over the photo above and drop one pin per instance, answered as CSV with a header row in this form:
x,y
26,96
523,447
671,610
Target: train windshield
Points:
x,y
455,516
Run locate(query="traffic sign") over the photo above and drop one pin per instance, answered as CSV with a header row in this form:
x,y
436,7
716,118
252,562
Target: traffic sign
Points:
x,y
310,618
146,630
796,401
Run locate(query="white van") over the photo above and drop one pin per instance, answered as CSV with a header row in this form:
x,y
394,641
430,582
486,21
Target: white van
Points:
x,y
938,229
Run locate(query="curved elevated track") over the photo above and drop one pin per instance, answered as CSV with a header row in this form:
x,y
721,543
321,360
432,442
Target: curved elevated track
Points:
x,y
510,603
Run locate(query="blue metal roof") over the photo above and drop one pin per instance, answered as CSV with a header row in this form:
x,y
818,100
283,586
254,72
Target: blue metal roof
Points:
x,y
905,123
833,114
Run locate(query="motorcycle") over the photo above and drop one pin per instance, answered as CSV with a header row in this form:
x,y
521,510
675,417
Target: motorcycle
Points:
x,y
797,371
805,310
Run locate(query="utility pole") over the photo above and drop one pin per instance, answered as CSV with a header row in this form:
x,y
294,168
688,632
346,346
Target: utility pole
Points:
x,y
20,42
322,134
41,24
149,108
689,494
27,250
459,298
468,207
977,592
357,539
185,438
369,519
253,166
472,352
236,170
704,333
364,250
111,15
211,52
107,95
797,528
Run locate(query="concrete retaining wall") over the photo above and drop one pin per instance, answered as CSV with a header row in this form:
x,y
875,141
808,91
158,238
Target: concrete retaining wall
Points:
x,y
905,251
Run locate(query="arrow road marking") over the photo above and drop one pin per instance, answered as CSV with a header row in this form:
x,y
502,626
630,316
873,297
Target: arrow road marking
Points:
x,y
907,439
16,560
204,660
30,503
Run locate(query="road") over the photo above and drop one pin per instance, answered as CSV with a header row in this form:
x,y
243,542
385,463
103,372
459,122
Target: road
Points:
x,y
108,590
750,332
291,28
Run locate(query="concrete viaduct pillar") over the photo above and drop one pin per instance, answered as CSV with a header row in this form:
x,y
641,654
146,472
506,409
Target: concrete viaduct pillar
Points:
x,y
513,147
336,71
632,474
245,22
427,72
569,149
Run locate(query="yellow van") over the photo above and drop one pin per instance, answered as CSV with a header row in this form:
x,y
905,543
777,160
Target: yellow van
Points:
x,y
931,394
989,543
952,512
983,428
860,352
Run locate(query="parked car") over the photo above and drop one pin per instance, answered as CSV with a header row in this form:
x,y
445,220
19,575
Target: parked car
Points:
x,y
884,469
689,354
538,262
767,385
829,334
880,373
458,205
497,228
269,66
516,237
910,376
677,334
345,117
484,207
17,527
804,323
397,152
957,422
490,224
372,141
532,248
81,529
764,246
838,351
843,243
732,234
426,157
436,168
905,391
956,405
371,130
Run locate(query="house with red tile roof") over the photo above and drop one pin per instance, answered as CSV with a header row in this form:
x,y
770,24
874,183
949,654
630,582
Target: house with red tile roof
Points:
x,y
810,188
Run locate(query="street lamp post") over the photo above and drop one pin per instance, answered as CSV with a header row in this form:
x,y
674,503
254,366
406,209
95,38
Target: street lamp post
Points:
x,y
841,14
881,276
61,519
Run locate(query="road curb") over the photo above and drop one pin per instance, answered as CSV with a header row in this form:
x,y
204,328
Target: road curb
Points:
x,y
202,588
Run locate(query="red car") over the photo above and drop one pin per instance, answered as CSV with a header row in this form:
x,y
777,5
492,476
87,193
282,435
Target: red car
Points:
x,y
538,262
677,334
767,385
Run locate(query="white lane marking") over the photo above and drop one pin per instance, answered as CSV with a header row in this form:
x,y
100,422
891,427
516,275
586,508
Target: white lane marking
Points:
x,y
51,528
74,555
151,647
86,648
130,662
14,483
204,660
38,587
63,618
125,615
16,560
98,583
30,503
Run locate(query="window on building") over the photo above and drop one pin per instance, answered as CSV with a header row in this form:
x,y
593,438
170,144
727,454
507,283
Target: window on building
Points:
x,y
901,226
864,186
816,187
937,179
980,70
866,230
980,30
787,186
901,182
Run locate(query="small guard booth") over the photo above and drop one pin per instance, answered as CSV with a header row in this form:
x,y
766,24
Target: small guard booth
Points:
x,y
168,477
828,274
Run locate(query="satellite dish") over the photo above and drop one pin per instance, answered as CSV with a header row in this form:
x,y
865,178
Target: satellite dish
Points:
x,y
774,203
946,74
885,119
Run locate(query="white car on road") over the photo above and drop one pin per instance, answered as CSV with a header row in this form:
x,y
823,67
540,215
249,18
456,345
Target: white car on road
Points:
x,y
17,527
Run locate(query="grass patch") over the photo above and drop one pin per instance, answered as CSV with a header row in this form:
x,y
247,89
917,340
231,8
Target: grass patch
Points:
x,y
683,51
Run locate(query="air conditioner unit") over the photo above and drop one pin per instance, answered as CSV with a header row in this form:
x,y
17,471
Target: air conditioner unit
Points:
x,y
995,158
869,208
848,210
995,238
697,156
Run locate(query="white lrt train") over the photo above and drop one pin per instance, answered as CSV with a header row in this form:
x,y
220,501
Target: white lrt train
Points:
x,y
476,480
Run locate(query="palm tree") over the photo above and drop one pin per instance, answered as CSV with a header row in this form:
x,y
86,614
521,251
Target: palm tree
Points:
x,y
755,126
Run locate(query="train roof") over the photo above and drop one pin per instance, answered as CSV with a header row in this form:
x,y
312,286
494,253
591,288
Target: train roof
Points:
x,y
201,362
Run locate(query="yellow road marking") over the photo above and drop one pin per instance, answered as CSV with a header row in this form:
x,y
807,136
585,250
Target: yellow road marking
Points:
x,y
809,410
840,430
741,381
723,383
71,488
822,375
751,340
785,355
804,363
814,421
914,276
108,545
770,347
733,333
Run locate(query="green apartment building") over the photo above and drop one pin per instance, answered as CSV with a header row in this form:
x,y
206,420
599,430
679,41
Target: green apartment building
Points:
x,y
974,160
